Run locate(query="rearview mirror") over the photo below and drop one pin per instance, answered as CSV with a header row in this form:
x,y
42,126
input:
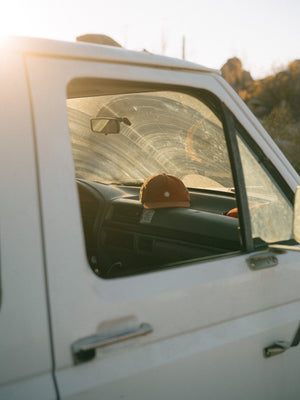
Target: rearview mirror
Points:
x,y
297,215
105,125
108,125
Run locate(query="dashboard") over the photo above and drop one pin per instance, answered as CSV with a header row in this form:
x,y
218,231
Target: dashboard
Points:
x,y
122,238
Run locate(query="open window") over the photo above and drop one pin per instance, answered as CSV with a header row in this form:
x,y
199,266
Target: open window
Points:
x,y
124,133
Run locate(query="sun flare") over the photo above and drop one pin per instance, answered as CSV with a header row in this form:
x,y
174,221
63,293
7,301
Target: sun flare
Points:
x,y
19,18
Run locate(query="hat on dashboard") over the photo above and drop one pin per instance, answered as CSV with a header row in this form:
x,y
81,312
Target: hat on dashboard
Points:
x,y
164,191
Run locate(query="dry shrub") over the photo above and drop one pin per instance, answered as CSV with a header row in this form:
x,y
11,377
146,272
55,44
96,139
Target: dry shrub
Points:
x,y
284,128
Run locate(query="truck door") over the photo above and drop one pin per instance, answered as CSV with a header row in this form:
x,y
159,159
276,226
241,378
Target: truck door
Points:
x,y
196,329
25,352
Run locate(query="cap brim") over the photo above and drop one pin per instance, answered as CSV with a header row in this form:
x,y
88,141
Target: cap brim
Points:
x,y
164,204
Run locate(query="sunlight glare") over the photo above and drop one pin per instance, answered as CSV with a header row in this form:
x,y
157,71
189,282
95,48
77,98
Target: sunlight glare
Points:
x,y
18,18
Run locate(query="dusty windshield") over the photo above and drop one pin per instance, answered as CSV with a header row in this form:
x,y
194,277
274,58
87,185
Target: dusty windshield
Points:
x,y
169,132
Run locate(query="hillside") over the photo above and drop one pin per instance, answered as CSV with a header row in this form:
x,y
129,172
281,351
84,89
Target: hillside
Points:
x,y
275,100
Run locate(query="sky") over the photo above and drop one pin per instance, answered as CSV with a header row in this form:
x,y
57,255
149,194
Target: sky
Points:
x,y
264,34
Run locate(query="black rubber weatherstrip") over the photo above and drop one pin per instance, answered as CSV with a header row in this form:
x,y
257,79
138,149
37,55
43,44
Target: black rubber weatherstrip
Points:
x,y
238,179
296,339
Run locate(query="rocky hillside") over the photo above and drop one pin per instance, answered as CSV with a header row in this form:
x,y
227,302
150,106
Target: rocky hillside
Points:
x,y
275,100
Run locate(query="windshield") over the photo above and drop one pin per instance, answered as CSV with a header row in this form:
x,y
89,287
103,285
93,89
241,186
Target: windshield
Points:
x,y
169,132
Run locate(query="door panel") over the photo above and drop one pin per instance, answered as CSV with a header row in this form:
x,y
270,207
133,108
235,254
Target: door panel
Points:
x,y
221,360
25,353
211,319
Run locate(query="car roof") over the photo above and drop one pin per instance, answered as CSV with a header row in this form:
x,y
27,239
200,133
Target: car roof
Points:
x,y
91,51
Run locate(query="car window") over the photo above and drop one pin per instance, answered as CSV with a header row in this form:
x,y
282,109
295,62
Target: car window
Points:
x,y
271,212
169,132
121,140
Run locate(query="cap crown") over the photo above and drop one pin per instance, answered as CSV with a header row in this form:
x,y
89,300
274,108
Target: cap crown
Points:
x,y
163,191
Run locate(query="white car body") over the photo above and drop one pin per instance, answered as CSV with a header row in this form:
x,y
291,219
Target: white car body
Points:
x,y
210,320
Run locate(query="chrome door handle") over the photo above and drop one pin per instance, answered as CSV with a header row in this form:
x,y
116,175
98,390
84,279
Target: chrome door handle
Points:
x,y
85,349
276,348
281,346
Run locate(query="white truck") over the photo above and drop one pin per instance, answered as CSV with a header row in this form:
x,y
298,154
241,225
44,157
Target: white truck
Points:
x,y
104,298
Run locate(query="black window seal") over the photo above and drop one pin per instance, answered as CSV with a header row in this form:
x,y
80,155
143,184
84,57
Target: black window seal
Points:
x,y
238,179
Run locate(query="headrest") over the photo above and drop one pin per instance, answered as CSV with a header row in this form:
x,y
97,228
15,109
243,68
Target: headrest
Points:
x,y
164,191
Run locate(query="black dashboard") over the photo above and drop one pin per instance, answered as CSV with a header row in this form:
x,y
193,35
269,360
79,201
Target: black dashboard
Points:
x,y
122,238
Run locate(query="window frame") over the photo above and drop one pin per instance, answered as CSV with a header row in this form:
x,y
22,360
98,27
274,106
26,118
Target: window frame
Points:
x,y
215,104
239,181
90,86
236,127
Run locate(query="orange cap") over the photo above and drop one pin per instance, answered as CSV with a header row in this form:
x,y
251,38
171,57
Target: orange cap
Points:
x,y
163,191
234,213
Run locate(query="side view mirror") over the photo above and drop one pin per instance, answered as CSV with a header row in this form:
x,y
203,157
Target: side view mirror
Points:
x,y
297,215
108,125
